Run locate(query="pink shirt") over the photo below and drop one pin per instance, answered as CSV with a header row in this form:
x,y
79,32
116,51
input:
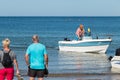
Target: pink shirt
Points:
x,y
79,33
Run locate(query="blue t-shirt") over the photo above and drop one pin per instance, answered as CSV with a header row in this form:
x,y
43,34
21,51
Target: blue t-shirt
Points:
x,y
36,53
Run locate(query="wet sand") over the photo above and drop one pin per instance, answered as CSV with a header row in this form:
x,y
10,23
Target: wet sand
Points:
x,y
78,76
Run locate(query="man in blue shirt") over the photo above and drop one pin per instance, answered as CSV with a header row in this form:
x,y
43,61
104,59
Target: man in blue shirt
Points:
x,y
35,55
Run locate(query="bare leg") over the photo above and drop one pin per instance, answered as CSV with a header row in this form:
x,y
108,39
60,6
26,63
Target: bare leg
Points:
x,y
32,78
40,78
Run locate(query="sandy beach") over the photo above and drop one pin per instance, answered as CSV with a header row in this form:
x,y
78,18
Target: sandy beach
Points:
x,y
114,74
77,76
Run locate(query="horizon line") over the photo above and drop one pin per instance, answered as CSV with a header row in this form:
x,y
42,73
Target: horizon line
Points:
x,y
59,16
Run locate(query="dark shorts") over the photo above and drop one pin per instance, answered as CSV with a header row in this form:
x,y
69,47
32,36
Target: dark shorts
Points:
x,y
36,73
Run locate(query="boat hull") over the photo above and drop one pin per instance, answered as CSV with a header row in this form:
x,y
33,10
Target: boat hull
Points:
x,y
95,45
100,49
115,62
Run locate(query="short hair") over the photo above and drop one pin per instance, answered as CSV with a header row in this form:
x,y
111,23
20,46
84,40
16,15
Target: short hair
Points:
x,y
35,38
81,26
6,42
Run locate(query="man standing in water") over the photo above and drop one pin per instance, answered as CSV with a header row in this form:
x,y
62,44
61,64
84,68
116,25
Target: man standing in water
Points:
x,y
34,57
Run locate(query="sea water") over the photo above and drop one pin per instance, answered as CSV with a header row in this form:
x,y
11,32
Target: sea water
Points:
x,y
53,29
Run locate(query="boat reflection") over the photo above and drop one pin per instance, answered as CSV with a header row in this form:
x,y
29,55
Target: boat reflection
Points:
x,y
75,62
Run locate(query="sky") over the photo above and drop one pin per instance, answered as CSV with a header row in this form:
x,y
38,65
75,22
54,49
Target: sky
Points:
x,y
59,7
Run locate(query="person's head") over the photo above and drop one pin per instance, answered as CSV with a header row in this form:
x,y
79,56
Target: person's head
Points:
x,y
6,42
35,38
81,26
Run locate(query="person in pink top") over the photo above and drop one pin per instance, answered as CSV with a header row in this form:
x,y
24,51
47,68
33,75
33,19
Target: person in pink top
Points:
x,y
80,32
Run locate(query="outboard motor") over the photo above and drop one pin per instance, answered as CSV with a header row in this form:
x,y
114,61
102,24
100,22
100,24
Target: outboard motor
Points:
x,y
66,39
117,52
110,58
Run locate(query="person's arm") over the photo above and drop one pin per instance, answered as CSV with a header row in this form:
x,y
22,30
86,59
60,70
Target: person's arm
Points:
x,y
78,32
46,60
16,64
27,59
83,32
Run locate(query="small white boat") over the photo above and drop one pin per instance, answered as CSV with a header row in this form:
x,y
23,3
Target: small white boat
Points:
x,y
115,61
87,44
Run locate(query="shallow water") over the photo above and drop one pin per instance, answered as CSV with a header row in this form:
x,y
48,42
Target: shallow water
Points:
x,y
75,66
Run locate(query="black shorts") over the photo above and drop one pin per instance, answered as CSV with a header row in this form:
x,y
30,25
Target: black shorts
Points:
x,y
36,72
